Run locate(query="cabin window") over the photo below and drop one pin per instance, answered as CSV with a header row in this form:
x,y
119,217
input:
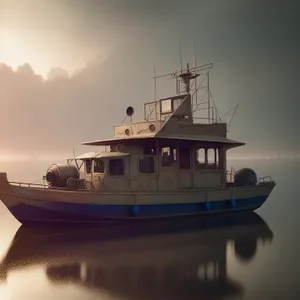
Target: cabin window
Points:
x,y
116,167
174,154
211,158
217,157
99,166
184,158
88,165
200,158
208,158
166,106
168,156
146,165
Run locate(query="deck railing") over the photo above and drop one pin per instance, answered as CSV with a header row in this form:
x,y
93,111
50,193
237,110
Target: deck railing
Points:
x,y
230,175
265,179
229,179
29,184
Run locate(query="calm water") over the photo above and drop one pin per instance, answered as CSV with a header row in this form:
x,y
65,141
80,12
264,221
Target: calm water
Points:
x,y
221,258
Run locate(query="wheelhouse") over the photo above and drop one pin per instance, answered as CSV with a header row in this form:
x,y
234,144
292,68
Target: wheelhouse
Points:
x,y
156,164
167,151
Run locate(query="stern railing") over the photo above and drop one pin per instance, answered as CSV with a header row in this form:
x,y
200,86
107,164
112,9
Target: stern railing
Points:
x,y
230,175
265,179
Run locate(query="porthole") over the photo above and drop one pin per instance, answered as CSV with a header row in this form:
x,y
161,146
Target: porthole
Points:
x,y
127,131
120,147
152,128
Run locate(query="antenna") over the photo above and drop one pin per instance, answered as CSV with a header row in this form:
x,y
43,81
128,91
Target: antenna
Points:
x,y
234,109
208,97
180,55
194,56
155,95
187,77
177,82
194,66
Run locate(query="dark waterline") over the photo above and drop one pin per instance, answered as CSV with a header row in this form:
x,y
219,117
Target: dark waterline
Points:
x,y
253,256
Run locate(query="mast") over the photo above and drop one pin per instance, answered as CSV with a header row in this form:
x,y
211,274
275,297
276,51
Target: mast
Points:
x,y
185,76
208,97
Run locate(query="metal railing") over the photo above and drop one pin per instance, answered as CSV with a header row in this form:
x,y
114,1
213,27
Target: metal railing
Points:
x,y
29,184
45,185
265,179
230,175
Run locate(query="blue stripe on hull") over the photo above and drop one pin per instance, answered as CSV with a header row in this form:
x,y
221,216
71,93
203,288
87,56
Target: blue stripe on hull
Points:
x,y
59,211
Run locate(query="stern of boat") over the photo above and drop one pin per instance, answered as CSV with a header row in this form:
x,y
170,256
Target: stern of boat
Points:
x,y
246,188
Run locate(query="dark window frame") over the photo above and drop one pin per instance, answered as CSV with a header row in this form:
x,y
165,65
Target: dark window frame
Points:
x,y
117,173
95,165
170,159
88,167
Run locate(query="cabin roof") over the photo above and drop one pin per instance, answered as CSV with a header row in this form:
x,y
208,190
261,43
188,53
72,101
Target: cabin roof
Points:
x,y
199,138
90,155
203,138
86,155
107,142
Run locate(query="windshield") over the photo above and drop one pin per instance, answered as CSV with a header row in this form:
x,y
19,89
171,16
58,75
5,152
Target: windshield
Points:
x,y
99,166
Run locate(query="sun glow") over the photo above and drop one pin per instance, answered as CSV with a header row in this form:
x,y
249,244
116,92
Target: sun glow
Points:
x,y
11,52
46,51
15,50
5,292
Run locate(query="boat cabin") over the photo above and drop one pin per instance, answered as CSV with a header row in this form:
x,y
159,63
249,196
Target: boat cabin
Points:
x,y
167,151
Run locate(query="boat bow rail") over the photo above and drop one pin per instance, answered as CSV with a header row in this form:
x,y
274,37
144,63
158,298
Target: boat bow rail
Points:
x,y
29,184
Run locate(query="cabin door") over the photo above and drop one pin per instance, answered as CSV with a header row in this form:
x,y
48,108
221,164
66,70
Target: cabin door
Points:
x,y
185,169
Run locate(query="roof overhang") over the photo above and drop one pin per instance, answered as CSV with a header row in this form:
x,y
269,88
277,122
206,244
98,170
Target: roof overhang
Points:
x,y
211,139
92,155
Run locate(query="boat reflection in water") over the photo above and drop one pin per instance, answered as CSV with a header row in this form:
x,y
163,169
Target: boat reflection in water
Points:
x,y
162,260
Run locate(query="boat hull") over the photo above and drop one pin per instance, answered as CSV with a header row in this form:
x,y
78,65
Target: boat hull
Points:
x,y
29,205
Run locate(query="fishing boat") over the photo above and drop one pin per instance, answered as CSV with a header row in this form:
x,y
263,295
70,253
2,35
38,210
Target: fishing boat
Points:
x,y
170,164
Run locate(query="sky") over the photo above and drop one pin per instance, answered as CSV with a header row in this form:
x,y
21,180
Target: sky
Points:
x,y
69,69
